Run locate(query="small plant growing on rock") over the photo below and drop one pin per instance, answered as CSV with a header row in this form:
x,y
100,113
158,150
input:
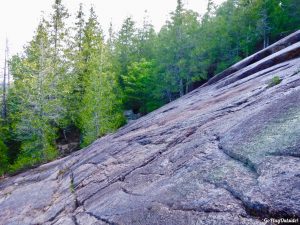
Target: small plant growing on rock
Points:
x,y
72,186
274,81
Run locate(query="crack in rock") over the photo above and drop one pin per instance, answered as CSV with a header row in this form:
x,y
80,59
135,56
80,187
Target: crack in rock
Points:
x,y
101,219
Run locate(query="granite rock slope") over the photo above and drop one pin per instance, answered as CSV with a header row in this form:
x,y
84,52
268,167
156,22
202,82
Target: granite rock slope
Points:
x,y
226,153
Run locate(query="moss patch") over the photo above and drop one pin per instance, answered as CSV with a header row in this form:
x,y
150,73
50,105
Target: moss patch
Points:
x,y
279,137
274,81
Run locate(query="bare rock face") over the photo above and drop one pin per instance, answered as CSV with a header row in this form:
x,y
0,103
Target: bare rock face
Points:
x,y
226,153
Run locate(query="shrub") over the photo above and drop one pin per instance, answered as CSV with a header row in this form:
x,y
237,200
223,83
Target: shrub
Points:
x,y
274,81
3,158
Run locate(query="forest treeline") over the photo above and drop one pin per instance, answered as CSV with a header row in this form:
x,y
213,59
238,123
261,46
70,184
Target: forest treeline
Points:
x,y
73,79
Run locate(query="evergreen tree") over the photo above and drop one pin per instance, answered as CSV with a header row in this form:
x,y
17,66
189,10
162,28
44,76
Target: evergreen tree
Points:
x,y
36,109
79,28
101,107
3,158
145,40
59,39
176,42
77,61
5,84
111,38
58,26
139,85
125,48
81,82
139,82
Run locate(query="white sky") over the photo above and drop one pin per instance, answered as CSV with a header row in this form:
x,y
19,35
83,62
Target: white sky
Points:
x,y
19,18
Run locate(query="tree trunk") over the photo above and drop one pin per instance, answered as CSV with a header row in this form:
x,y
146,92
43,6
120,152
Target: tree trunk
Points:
x,y
186,87
4,103
181,87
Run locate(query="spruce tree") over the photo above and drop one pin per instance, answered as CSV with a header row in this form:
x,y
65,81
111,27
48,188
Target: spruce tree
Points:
x,y
77,61
59,39
100,110
36,111
125,48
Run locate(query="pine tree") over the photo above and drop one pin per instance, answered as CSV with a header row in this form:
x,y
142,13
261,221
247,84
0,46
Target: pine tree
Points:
x,y
59,39
100,111
58,26
145,40
176,42
139,82
263,23
79,28
5,84
84,83
125,48
111,38
77,68
3,158
35,111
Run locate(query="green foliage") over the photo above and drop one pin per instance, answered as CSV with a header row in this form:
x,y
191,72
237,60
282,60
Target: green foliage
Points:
x,y
3,158
100,96
274,81
177,41
36,112
72,186
102,112
28,159
138,86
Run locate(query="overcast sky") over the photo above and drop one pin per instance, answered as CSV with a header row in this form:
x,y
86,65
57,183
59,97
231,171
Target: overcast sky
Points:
x,y
19,18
